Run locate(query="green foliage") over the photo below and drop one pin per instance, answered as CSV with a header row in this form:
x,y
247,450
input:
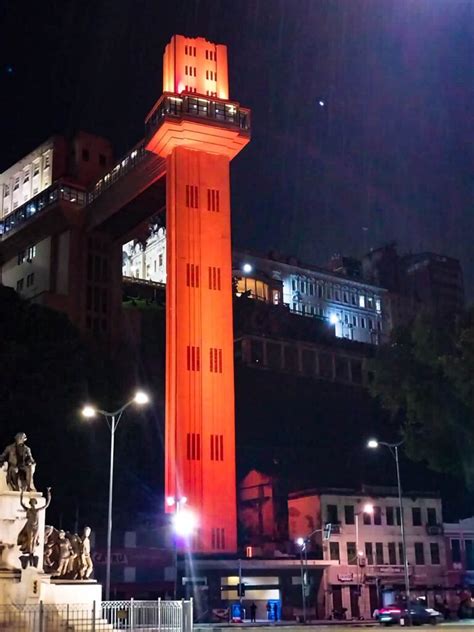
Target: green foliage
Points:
x,y
425,377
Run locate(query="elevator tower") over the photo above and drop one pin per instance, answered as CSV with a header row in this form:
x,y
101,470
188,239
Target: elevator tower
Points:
x,y
199,130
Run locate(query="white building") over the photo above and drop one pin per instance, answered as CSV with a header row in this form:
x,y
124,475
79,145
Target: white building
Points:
x,y
358,310
366,548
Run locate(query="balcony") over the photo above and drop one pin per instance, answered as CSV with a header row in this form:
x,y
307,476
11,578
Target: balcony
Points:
x,y
40,202
198,109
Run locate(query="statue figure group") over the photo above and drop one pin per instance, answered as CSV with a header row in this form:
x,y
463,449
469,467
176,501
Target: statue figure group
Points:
x,y
65,555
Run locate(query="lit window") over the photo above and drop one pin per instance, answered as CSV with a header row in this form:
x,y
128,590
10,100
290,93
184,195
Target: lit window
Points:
x,y
378,307
361,300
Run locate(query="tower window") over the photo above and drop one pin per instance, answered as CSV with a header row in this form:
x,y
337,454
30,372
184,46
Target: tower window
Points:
x,y
217,447
214,278
192,196
193,358
193,446
215,360
218,538
213,200
192,275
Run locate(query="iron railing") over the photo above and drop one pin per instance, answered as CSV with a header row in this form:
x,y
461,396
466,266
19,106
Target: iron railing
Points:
x,y
46,198
198,108
158,616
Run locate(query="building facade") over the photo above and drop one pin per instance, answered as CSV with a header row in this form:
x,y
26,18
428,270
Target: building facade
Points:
x,y
366,548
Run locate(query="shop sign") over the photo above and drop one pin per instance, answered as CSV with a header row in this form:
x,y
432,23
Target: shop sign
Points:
x,y
345,577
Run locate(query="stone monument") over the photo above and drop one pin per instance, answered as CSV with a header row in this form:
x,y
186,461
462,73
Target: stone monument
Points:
x,y
38,563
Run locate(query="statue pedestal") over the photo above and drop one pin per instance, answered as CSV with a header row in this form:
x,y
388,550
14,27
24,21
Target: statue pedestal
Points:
x,y
12,521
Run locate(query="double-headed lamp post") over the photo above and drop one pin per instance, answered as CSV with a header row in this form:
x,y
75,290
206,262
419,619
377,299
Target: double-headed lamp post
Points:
x,y
393,447
113,420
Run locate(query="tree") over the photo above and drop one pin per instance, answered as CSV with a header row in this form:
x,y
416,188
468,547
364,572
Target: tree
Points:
x,y
425,377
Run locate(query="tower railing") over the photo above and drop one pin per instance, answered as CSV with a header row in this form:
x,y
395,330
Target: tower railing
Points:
x,y
198,108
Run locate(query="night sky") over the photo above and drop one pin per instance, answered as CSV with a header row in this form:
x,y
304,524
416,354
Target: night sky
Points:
x,y
388,156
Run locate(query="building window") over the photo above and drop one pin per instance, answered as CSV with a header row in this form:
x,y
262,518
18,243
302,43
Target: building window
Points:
x,y
469,555
362,323
334,551
351,553
214,278
192,275
431,516
16,184
331,514
215,360
21,257
217,447
398,516
193,446
377,515
30,279
31,253
160,260
456,551
378,307
369,553
19,285
349,516
416,516
192,196
434,552
361,300
85,155
193,359
392,556
390,516
366,518
401,557
379,553
218,538
354,321
419,553
213,200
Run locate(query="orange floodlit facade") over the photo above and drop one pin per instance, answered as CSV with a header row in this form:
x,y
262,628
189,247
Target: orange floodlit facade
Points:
x,y
199,131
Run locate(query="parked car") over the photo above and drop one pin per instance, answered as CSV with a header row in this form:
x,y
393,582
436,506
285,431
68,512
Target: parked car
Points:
x,y
419,612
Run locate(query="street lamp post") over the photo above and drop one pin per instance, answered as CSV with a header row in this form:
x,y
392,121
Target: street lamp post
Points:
x,y
179,526
113,420
368,508
393,447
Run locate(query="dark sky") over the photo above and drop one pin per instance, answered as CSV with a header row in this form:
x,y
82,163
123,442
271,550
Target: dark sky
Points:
x,y
388,157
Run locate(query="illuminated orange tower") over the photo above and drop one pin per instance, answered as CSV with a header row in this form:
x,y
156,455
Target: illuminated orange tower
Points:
x,y
198,130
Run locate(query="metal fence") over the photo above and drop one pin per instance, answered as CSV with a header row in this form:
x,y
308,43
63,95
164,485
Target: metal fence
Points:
x,y
159,616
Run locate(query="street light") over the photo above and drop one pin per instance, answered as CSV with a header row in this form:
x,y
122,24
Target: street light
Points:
x,y
184,524
303,544
113,419
368,508
393,447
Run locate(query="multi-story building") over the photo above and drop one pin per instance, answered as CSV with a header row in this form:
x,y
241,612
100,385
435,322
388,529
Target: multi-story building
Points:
x,y
356,309
460,551
424,280
366,546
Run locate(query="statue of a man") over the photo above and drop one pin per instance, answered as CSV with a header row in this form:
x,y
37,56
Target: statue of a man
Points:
x,y
21,464
28,538
65,552
86,560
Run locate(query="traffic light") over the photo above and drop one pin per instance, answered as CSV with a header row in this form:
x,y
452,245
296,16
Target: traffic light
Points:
x,y
241,590
327,531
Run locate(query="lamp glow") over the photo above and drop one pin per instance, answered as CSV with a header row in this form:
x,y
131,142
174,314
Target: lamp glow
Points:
x,y
333,319
88,412
141,398
300,541
247,268
184,523
170,501
372,443
368,508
